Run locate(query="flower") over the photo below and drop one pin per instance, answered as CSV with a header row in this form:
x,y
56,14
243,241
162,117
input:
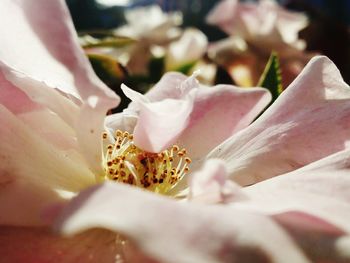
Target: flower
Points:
x,y
190,48
293,205
151,27
265,23
41,164
255,31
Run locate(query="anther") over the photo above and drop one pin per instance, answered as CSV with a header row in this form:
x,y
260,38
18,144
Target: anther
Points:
x,y
188,160
118,133
159,172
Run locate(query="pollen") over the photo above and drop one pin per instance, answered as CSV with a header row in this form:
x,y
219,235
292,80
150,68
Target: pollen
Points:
x,y
124,162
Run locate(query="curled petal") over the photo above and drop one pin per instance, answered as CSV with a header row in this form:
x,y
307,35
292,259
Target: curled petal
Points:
x,y
309,121
169,87
160,123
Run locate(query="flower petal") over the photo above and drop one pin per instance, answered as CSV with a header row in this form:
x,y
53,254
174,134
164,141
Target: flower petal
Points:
x,y
173,85
121,121
319,189
41,62
220,234
32,170
309,121
160,123
61,64
218,113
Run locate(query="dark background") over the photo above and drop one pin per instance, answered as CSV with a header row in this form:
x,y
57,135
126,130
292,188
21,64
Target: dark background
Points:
x,y
328,32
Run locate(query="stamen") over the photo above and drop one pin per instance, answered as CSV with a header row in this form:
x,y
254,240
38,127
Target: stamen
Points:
x,y
159,172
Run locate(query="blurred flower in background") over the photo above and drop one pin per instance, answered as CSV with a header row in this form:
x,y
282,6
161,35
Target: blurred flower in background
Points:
x,y
255,31
229,41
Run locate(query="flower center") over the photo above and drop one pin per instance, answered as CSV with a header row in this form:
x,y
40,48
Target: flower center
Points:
x,y
158,172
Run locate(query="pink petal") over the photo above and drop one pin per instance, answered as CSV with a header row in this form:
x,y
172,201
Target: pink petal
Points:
x,y
218,113
160,123
39,53
40,245
170,231
32,170
309,121
52,128
50,51
319,189
57,129
171,86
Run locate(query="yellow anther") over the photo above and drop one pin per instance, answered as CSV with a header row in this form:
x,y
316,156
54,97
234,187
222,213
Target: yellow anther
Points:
x,y
180,153
159,172
118,133
175,148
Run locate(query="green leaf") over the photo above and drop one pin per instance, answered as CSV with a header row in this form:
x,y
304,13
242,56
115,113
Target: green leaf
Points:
x,y
271,77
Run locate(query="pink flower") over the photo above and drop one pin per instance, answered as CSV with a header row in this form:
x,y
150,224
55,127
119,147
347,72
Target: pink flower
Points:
x,y
265,23
255,30
151,27
48,81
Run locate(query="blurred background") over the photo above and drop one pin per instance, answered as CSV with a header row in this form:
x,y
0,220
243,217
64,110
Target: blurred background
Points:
x,y
327,32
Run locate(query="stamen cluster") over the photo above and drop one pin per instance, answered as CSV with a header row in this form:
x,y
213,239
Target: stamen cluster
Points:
x,y
158,172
